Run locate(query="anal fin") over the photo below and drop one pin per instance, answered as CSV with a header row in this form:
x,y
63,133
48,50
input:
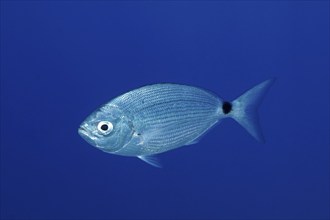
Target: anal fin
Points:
x,y
198,138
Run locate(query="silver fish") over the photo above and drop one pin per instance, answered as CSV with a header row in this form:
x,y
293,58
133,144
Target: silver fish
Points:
x,y
161,117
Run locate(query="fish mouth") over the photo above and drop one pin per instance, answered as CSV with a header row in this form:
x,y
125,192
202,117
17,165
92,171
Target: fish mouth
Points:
x,y
87,136
83,132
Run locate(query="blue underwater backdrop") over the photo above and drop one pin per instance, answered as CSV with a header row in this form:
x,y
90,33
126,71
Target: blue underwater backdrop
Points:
x,y
61,60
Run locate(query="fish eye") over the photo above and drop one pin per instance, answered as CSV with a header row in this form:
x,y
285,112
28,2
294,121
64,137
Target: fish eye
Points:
x,y
105,127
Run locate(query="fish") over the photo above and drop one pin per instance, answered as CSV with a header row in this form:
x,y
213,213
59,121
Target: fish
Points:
x,y
156,118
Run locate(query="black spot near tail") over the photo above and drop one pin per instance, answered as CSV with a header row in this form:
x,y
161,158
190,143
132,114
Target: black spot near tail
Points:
x,y
226,107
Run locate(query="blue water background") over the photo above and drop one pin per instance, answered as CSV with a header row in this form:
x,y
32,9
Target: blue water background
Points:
x,y
61,60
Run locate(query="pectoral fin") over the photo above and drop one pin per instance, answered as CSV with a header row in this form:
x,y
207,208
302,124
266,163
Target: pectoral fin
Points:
x,y
152,160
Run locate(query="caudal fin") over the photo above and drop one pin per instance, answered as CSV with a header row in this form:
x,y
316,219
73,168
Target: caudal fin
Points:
x,y
245,108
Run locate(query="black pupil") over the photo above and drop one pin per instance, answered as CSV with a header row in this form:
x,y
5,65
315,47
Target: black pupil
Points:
x,y
226,107
104,127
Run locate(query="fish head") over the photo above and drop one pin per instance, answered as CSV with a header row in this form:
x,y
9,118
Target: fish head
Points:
x,y
107,129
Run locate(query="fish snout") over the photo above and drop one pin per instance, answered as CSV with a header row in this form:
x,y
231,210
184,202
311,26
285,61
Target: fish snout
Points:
x,y
85,134
82,131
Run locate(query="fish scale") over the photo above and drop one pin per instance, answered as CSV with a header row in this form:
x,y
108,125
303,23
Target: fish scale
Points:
x,y
161,117
179,113
138,99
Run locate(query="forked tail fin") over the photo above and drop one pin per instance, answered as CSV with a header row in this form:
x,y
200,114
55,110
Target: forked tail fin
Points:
x,y
245,108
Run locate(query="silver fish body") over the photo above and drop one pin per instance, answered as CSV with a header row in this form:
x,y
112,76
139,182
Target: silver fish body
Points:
x,y
167,116
161,117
